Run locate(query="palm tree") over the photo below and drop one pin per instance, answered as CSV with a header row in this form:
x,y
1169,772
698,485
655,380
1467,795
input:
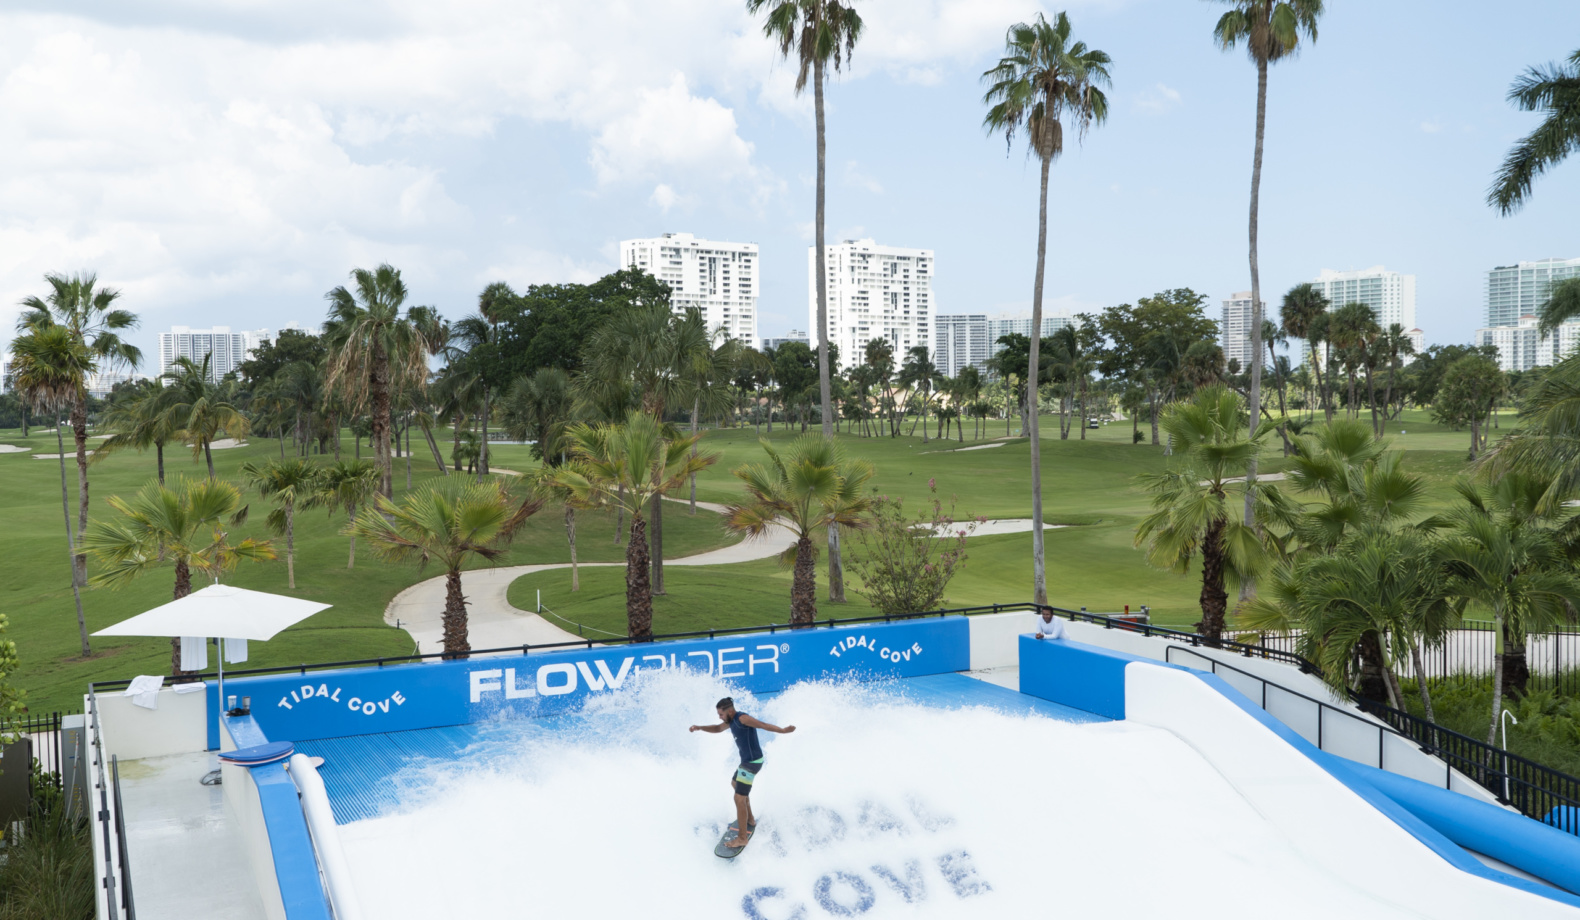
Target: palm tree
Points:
x,y
629,466
812,485
49,371
1554,90
1191,511
539,408
139,422
1362,485
921,375
1270,31
1043,79
1517,573
289,483
200,408
347,484
1351,329
819,33
1395,343
374,349
478,335
1303,308
183,527
88,313
453,523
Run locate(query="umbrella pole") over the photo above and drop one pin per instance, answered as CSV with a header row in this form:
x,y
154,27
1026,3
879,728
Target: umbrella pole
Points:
x,y
219,645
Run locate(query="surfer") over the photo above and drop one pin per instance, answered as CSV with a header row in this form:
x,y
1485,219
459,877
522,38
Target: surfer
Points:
x,y
744,728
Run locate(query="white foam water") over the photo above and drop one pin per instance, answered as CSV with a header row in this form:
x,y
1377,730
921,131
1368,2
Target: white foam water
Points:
x,y
874,807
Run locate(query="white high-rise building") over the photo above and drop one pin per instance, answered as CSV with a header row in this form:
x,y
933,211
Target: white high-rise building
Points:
x,y
1521,347
794,335
1391,295
961,340
874,292
1020,324
1234,333
228,348
1516,291
720,279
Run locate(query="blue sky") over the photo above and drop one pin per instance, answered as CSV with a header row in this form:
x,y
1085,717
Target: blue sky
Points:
x,y
228,161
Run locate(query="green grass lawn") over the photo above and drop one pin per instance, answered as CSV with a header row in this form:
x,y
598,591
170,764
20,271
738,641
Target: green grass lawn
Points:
x,y
1090,485
35,584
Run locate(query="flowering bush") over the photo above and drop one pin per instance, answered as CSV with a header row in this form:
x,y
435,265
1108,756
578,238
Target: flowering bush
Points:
x,y
906,563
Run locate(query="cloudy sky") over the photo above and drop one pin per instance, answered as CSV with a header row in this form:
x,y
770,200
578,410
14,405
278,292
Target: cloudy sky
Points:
x,y
228,161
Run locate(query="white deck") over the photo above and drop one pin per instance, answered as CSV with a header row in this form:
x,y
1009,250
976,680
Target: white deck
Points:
x,y
187,859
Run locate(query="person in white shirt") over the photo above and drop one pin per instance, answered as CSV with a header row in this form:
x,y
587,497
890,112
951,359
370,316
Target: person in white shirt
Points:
x,y
1049,626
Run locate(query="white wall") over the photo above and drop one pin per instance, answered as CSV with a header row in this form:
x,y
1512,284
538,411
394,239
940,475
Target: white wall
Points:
x,y
244,809
1321,817
132,732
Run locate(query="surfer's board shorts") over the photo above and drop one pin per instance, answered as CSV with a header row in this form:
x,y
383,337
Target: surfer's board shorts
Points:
x,y
744,775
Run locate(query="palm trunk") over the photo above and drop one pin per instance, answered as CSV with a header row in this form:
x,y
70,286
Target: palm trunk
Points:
x,y
290,546
1420,680
456,450
208,455
1371,397
570,537
823,370
1516,667
803,589
1254,402
696,407
638,587
1387,397
619,512
378,386
159,455
482,457
1497,679
455,632
351,512
1374,671
657,538
71,543
1152,402
836,567
1214,599
408,454
438,458
1039,572
79,431
183,587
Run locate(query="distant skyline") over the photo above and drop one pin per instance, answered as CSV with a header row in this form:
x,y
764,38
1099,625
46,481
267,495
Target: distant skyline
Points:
x,y
228,164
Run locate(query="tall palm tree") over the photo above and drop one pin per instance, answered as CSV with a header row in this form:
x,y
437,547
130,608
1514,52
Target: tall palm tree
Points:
x,y
820,34
539,408
1351,329
139,422
348,484
88,313
628,466
1555,90
1395,344
201,409
1191,501
181,526
1270,30
1043,80
1303,308
49,371
478,335
374,349
921,375
290,483
452,523
812,485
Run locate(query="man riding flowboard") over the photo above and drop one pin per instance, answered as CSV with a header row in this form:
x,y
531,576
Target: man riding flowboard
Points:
x,y
744,728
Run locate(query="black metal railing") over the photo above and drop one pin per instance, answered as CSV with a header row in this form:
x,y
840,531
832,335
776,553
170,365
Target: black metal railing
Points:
x,y
120,841
102,813
45,748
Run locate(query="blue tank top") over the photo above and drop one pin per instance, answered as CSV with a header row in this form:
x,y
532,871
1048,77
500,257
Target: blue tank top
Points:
x,y
745,740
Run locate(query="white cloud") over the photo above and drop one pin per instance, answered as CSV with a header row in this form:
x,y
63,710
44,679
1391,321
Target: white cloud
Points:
x,y
858,179
668,131
1158,99
1431,127
664,197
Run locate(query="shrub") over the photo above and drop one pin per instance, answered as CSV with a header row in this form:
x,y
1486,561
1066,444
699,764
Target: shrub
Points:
x,y
906,563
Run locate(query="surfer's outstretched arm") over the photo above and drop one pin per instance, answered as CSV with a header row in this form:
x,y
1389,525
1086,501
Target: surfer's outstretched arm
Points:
x,y
758,723
711,729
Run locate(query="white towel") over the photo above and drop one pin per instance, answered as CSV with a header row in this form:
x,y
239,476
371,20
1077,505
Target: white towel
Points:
x,y
194,653
144,691
235,651
189,687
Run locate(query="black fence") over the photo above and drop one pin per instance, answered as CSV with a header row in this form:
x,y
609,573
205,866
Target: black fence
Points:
x,y
36,747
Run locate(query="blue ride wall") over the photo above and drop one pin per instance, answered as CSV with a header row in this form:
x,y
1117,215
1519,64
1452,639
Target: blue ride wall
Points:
x,y
359,701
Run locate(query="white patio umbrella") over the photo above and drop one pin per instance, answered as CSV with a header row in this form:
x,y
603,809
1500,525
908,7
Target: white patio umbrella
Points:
x,y
220,612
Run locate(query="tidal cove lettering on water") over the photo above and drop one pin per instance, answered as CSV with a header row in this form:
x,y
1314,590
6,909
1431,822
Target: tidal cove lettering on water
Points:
x,y
902,878
858,644
567,677
307,693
